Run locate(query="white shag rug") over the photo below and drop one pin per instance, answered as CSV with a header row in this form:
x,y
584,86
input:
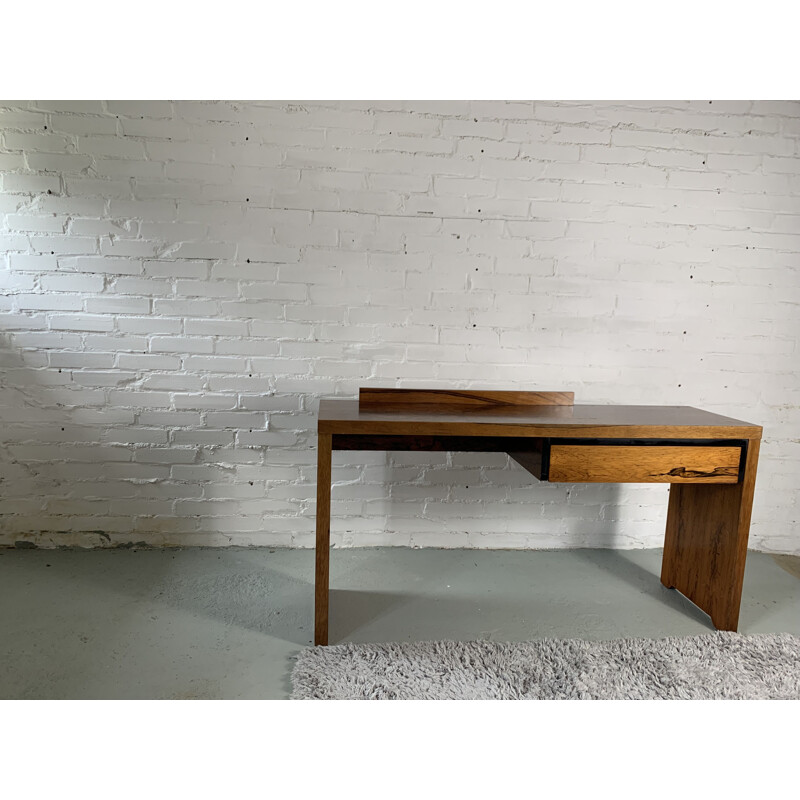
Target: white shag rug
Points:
x,y
711,666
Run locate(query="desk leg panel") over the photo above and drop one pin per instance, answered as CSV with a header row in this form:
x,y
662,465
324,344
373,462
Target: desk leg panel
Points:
x,y
321,577
705,545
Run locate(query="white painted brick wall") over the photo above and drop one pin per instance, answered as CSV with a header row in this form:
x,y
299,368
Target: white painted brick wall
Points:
x,y
181,281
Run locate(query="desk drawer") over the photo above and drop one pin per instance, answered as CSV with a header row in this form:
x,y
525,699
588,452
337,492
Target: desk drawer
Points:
x,y
634,463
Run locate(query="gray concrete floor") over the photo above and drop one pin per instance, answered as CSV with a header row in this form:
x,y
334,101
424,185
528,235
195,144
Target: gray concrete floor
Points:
x,y
226,623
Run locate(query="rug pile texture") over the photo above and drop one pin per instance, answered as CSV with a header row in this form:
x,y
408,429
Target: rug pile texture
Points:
x,y
711,666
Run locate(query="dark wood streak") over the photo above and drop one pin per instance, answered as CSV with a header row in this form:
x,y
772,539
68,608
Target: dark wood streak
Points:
x,y
632,463
683,472
406,398
709,460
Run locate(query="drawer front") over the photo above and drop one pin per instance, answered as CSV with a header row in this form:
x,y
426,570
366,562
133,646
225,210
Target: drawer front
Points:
x,y
644,464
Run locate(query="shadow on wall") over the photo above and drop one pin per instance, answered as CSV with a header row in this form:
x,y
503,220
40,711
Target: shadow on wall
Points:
x,y
63,482
80,467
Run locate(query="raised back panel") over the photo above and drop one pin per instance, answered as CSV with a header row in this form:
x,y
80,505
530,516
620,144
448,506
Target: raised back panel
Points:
x,y
405,398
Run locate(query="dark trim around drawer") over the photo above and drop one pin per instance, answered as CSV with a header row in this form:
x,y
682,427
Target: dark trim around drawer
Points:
x,y
548,442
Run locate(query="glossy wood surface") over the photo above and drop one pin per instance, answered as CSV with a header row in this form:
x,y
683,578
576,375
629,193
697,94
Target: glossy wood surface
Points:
x,y
707,522
705,545
406,398
631,464
345,416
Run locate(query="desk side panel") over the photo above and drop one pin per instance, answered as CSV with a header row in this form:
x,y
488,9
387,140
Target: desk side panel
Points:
x,y
705,545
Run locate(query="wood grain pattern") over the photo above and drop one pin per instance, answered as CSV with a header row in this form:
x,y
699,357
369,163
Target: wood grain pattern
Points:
x,y
637,464
409,398
708,520
705,545
323,544
644,422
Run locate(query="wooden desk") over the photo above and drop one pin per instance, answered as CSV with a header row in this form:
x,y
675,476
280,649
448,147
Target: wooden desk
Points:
x,y
709,460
